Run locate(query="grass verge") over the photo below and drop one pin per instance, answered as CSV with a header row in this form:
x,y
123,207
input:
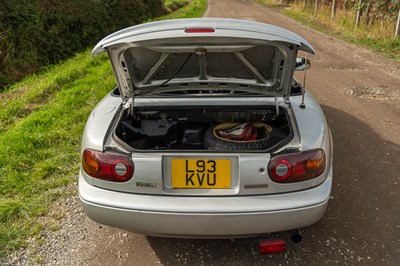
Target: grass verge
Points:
x,y
188,9
377,37
41,123
42,120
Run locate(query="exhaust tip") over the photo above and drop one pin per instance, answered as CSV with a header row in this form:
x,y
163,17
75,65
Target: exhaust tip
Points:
x,y
297,237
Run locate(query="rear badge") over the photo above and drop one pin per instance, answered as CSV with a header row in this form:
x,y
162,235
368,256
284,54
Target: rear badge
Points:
x,y
146,184
256,186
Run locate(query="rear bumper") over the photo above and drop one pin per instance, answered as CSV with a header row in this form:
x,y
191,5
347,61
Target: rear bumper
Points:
x,y
206,217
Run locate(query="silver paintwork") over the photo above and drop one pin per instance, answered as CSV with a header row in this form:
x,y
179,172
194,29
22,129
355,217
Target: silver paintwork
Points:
x,y
169,29
137,44
215,217
254,205
149,166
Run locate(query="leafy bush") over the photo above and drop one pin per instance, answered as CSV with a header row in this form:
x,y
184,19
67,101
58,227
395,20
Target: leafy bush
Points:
x,y
34,33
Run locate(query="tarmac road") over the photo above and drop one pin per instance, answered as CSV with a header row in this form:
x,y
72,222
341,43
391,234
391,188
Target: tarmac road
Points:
x,y
359,92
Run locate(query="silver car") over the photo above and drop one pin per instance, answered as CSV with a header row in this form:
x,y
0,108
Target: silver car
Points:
x,y
207,134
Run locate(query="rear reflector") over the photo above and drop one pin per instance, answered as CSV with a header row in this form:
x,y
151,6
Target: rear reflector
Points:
x,y
200,30
271,246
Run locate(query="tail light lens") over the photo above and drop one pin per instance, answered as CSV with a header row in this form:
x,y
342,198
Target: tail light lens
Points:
x,y
297,167
107,166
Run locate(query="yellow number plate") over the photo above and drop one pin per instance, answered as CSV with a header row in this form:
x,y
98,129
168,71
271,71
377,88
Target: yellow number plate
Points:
x,y
201,173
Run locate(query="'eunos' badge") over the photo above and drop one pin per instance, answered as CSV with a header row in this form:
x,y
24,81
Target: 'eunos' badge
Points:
x,y
146,184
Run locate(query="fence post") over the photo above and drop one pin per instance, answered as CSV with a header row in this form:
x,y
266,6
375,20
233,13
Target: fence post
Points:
x,y
367,14
333,12
397,33
358,13
316,7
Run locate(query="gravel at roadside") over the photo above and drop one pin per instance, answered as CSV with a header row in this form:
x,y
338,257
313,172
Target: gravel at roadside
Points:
x,y
64,228
69,237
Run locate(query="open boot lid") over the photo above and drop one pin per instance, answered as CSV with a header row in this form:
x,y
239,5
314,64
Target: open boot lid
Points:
x,y
185,56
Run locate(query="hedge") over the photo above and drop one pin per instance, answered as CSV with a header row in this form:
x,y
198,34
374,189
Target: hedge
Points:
x,y
35,33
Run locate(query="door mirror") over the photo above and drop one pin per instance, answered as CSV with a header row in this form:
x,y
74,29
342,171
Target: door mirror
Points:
x,y
302,64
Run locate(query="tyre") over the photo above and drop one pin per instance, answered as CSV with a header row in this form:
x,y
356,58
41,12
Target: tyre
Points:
x,y
214,142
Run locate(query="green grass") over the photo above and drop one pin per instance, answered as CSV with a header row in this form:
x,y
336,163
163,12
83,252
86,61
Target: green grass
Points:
x,y
42,120
269,3
378,37
192,9
41,123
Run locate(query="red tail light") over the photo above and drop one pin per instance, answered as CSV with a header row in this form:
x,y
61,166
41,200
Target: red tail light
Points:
x,y
107,166
297,167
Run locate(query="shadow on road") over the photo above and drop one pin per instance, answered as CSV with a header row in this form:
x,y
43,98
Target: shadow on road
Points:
x,y
361,224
